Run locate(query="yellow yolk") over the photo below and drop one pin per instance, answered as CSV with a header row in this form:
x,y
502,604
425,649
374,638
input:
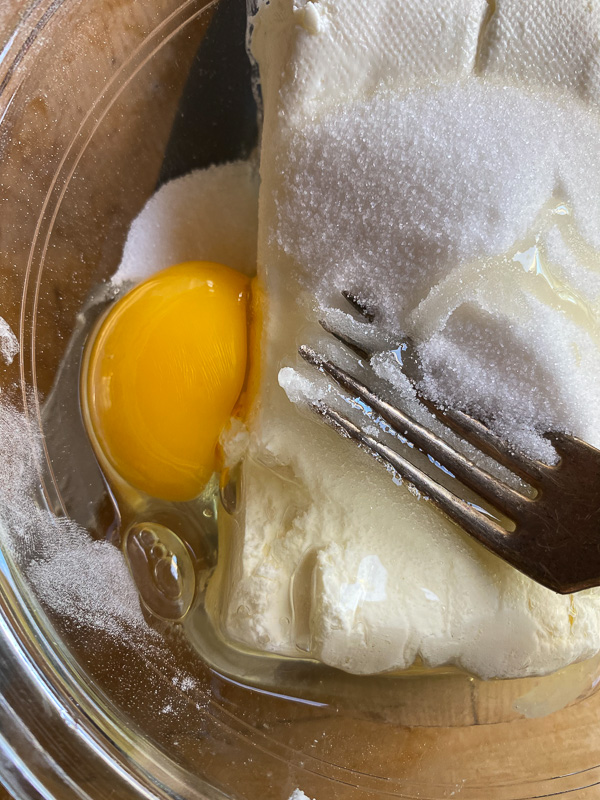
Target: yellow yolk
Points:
x,y
165,371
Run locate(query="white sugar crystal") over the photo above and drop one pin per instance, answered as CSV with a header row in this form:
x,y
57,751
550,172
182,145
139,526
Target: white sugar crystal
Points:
x,y
89,581
9,344
572,264
395,213
299,388
84,581
298,794
208,215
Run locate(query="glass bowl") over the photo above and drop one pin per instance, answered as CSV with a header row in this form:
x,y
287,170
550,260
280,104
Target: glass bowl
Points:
x,y
97,699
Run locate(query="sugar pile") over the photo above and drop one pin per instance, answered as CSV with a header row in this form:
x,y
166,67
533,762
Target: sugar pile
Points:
x,y
84,584
405,187
298,794
208,215
422,200
9,344
72,575
89,580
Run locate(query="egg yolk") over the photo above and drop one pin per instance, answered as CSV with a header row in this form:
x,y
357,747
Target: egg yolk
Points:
x,y
164,374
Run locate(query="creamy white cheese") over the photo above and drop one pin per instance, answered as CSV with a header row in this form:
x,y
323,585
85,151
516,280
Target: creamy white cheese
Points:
x,y
446,165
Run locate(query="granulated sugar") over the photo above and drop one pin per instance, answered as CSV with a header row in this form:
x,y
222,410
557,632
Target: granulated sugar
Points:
x,y
208,215
73,575
89,580
421,203
298,794
9,344
571,265
85,583
392,193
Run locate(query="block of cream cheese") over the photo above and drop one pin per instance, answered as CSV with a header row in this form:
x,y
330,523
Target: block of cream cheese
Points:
x,y
414,153
545,43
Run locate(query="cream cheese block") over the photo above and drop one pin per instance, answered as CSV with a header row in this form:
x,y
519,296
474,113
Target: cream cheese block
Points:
x,y
444,163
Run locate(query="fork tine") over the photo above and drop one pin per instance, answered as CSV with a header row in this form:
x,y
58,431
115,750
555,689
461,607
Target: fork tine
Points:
x,y
359,305
489,487
346,340
485,530
462,424
492,445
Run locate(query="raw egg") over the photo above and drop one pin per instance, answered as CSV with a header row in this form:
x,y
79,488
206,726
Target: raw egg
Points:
x,y
164,373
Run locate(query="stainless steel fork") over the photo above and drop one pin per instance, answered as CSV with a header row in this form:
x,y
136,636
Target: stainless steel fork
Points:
x,y
556,536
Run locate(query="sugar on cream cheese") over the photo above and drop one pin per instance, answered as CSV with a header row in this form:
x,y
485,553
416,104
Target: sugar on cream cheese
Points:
x,y
443,161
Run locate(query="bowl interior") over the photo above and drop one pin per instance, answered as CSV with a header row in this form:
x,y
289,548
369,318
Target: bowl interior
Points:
x,y
89,101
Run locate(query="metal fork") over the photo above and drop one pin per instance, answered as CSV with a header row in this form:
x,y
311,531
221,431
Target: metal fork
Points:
x,y
556,536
